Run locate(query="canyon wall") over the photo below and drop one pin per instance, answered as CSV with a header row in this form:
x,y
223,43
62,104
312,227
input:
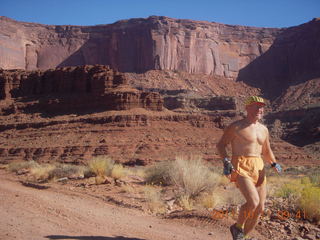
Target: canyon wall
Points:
x,y
135,45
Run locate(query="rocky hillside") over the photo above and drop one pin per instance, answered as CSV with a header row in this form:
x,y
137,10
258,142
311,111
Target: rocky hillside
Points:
x,y
184,81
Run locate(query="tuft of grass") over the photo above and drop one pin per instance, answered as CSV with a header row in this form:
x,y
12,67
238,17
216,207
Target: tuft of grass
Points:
x,y
42,172
118,171
192,176
158,173
208,200
67,170
153,197
16,166
186,202
101,166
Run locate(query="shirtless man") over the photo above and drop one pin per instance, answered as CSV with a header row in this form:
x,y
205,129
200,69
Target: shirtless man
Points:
x,y
249,140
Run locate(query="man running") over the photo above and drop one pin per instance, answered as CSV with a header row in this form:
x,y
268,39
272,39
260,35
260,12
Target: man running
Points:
x,y
249,140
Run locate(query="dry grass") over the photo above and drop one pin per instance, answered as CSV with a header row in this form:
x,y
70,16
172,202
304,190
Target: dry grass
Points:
x,y
186,202
158,173
153,197
67,170
42,172
16,166
118,171
101,166
208,200
192,176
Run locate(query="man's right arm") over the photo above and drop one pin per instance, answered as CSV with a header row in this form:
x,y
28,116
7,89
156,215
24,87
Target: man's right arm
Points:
x,y
226,138
222,149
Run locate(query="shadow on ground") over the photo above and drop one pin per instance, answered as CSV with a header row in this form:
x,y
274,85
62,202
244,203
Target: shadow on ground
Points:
x,y
91,237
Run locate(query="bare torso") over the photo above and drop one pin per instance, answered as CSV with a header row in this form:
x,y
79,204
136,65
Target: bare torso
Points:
x,y
248,138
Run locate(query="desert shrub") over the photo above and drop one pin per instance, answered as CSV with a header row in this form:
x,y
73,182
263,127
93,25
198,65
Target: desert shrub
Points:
x,y
192,176
208,200
288,190
153,197
310,201
158,173
101,166
186,202
118,171
66,170
16,166
42,172
315,179
303,193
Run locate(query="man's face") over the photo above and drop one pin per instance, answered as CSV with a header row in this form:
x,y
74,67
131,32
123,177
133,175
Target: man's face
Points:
x,y
255,110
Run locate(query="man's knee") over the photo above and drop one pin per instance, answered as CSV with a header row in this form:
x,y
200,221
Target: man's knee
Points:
x,y
253,204
260,208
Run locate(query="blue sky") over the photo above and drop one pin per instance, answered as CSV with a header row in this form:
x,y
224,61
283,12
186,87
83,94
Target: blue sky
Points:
x,y
260,13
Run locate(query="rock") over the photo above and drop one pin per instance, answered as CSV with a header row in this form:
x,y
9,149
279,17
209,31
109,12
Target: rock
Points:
x,y
63,180
309,237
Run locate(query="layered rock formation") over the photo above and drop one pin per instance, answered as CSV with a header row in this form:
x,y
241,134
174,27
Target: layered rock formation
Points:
x,y
135,45
72,113
72,89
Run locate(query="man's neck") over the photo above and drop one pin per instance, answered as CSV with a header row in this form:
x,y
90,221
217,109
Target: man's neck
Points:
x,y
251,120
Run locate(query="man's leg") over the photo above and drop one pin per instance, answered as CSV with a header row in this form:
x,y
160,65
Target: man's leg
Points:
x,y
250,193
252,221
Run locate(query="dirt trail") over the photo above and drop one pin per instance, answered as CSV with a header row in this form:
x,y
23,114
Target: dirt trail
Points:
x,y
29,213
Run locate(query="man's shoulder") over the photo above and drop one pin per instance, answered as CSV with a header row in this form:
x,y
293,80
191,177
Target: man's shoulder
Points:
x,y
235,124
263,126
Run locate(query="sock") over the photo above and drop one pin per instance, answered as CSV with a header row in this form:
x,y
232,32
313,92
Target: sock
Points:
x,y
239,226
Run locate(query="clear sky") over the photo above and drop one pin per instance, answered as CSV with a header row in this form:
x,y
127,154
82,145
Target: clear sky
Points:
x,y
260,13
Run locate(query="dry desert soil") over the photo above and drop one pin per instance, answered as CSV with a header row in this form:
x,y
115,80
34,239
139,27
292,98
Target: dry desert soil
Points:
x,y
56,213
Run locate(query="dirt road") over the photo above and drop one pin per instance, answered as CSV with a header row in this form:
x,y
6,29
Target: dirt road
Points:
x,y
29,213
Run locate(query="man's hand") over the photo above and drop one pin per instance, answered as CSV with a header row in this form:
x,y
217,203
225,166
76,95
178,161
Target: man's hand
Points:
x,y
276,167
227,166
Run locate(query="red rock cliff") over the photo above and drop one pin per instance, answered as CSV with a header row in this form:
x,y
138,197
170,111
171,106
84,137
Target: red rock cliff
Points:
x,y
135,45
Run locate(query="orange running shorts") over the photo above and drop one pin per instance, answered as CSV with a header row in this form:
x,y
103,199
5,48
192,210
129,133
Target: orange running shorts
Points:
x,y
250,167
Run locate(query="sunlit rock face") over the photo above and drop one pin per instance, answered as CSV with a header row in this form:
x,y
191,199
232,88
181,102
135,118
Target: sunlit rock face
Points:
x,y
135,45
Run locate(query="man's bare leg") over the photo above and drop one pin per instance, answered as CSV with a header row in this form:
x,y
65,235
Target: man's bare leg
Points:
x,y
253,220
250,193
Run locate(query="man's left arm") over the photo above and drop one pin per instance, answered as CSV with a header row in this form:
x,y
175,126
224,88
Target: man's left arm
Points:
x,y
268,153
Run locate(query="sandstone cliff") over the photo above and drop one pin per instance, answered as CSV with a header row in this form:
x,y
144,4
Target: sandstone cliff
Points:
x,y
71,89
135,45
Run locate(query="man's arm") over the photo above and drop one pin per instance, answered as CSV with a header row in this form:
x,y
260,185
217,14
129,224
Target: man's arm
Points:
x,y
268,154
226,138
266,150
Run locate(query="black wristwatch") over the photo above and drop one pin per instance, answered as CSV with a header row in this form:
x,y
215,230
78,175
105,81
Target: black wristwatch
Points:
x,y
273,164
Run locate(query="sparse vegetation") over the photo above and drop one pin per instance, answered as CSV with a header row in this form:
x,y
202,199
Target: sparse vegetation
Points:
x,y
42,172
158,173
303,193
16,166
192,176
118,171
186,202
101,166
153,197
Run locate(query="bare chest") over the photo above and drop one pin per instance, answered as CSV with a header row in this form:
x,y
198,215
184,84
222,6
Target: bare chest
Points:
x,y
251,134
